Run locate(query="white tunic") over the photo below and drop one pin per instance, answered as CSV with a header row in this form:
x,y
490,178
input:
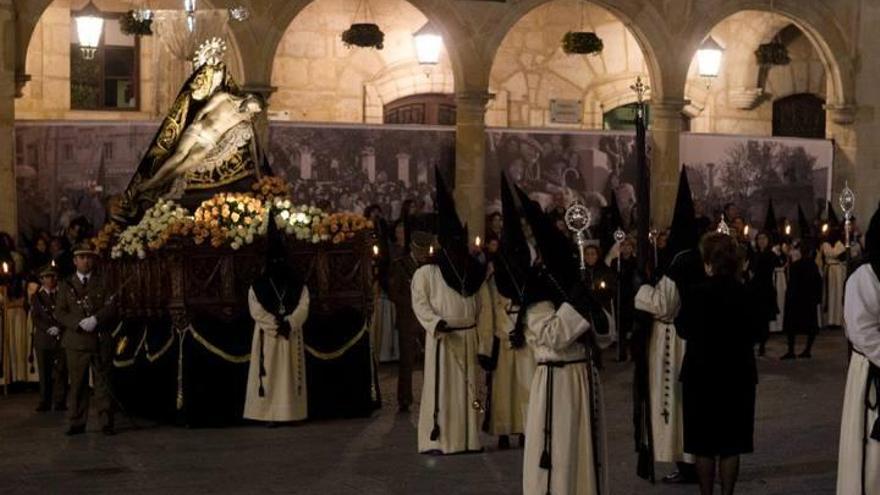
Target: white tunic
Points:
x,y
512,376
835,277
862,313
780,282
553,335
432,301
665,355
284,384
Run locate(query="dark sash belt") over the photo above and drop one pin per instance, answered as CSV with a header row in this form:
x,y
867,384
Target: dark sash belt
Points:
x,y
460,329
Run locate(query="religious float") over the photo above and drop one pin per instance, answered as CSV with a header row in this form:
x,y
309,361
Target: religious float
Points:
x,y
187,239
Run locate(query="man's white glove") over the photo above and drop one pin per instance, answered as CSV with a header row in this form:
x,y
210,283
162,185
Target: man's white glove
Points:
x,y
53,331
89,324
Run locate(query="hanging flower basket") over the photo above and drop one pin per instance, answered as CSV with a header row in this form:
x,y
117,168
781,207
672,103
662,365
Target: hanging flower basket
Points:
x,y
581,43
773,53
365,35
129,24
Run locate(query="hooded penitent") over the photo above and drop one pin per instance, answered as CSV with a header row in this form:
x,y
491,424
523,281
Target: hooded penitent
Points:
x,y
279,286
461,271
834,228
683,234
513,259
557,272
611,221
872,242
770,227
804,230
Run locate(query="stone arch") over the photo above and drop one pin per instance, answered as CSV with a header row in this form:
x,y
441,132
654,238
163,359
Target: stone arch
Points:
x,y
816,22
641,19
259,49
530,69
382,89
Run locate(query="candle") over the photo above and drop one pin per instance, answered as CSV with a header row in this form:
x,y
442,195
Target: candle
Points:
x,y
477,242
430,250
824,228
746,230
787,229
601,284
375,250
5,268
52,263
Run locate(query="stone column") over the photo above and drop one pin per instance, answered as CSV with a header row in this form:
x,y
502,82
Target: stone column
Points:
x,y
470,159
856,157
664,135
8,205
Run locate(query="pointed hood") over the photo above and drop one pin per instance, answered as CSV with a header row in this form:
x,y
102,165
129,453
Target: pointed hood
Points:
x,y
684,234
449,226
279,286
555,251
461,271
833,221
513,259
804,229
771,228
872,241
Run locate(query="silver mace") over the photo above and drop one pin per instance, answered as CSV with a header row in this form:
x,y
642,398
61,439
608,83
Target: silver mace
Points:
x,y
577,219
847,202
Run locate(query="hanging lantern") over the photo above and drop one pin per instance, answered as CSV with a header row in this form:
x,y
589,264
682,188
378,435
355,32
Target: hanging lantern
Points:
x,y
429,44
773,53
581,43
89,27
709,58
364,34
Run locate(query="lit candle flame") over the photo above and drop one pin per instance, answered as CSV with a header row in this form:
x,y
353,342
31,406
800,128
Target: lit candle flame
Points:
x,y
602,284
824,228
375,250
5,267
746,230
788,230
477,241
52,263
431,250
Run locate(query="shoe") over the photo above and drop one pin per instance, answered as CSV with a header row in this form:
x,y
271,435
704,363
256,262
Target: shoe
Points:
x,y
787,356
677,478
42,408
108,431
75,430
503,442
60,407
805,355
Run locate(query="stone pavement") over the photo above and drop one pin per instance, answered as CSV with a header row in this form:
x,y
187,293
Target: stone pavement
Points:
x,y
796,447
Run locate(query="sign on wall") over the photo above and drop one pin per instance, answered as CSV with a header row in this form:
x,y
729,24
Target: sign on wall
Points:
x,y
566,111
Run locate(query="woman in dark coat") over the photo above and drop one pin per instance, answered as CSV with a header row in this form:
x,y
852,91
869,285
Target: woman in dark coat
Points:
x,y
802,297
763,264
718,374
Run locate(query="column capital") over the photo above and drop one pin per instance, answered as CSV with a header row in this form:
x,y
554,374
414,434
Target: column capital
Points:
x,y
262,89
842,114
668,108
21,79
471,106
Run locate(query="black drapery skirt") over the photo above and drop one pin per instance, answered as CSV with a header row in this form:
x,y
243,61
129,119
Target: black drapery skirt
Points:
x,y
719,419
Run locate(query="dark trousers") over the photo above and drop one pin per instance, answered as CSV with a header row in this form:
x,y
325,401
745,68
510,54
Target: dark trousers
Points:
x,y
408,331
100,362
52,368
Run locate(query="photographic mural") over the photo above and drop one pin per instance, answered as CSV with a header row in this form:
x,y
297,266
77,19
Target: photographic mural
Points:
x,y
748,171
68,170
557,167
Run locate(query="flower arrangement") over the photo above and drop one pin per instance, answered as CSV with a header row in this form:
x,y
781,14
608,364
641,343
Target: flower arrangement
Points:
x,y
105,237
230,217
299,220
269,188
159,223
341,227
583,43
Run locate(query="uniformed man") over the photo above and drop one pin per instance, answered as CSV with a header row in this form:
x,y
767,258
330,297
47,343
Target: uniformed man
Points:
x,y
409,328
51,361
86,310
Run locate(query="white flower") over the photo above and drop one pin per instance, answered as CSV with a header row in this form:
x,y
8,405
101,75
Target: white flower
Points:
x,y
235,245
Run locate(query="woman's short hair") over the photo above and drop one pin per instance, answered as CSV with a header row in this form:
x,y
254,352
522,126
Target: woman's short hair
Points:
x,y
721,252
